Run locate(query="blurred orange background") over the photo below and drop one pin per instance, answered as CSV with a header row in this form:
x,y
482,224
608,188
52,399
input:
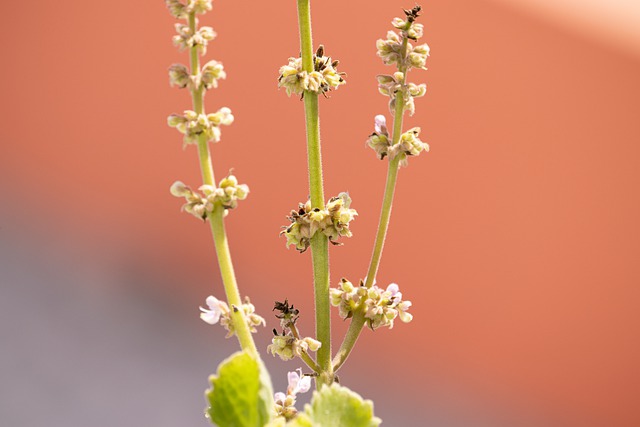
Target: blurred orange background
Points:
x,y
516,238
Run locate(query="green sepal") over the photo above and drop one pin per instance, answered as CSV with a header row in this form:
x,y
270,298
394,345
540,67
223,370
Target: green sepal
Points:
x,y
241,393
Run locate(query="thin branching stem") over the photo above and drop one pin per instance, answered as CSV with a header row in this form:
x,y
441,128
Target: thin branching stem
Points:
x,y
304,355
358,320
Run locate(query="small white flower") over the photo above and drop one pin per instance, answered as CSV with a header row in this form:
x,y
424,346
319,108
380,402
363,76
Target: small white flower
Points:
x,y
211,316
381,124
298,383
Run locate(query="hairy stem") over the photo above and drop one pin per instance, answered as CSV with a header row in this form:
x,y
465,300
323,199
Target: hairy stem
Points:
x,y
319,242
358,320
216,218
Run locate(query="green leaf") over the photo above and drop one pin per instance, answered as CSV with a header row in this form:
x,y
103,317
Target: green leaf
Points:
x,y
337,406
240,394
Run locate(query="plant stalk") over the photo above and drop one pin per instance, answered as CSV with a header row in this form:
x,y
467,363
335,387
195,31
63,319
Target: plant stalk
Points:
x,y
216,218
358,320
319,242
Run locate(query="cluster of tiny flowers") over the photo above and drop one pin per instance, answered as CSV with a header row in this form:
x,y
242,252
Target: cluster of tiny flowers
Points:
x,y
287,346
391,49
208,78
226,194
285,403
182,10
219,311
390,85
194,125
347,297
409,143
322,79
381,306
333,221
187,38
396,49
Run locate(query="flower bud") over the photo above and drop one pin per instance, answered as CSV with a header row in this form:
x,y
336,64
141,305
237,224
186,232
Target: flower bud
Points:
x,y
312,344
179,76
417,58
201,6
178,189
229,181
175,120
211,73
176,8
282,346
222,117
417,91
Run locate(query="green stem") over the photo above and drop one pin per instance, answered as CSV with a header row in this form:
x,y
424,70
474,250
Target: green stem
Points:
x,y
385,216
304,355
358,320
320,258
314,153
350,338
306,42
319,242
216,218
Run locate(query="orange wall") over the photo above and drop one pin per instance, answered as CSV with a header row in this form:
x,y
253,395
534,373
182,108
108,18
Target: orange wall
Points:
x,y
516,238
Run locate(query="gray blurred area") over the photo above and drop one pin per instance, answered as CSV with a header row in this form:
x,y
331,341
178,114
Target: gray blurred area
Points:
x,y
82,345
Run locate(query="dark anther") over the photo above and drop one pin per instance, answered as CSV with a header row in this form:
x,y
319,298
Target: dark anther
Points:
x,y
285,309
287,312
413,13
320,51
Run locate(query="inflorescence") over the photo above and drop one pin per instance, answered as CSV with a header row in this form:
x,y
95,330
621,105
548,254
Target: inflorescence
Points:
x,y
333,221
408,144
181,10
397,50
219,311
288,344
381,306
321,80
201,205
285,403
194,125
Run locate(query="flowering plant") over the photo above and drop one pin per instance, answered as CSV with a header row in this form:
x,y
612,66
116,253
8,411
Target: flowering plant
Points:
x,y
241,392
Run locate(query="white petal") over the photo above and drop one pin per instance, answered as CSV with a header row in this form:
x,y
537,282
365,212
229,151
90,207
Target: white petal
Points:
x,y
304,385
393,288
405,317
292,378
213,302
279,396
210,316
380,123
